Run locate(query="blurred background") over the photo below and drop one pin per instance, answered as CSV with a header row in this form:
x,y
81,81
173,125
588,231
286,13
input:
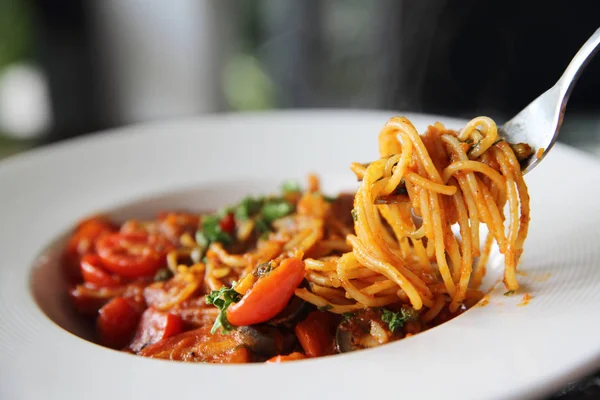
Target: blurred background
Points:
x,y
70,67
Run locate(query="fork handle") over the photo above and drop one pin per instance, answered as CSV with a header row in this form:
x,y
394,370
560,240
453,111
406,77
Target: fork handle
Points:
x,y
567,81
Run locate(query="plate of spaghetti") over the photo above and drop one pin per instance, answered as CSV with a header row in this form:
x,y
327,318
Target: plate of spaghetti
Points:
x,y
298,254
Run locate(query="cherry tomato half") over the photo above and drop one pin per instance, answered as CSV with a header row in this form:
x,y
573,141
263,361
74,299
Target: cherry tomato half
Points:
x,y
199,345
154,326
83,242
133,255
316,334
117,321
227,223
88,299
92,270
290,357
269,295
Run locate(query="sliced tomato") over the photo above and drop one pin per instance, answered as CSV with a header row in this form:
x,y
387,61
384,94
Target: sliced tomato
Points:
x,y
117,322
93,272
154,326
82,242
315,334
269,295
199,345
239,355
290,357
87,299
135,226
227,223
133,255
193,312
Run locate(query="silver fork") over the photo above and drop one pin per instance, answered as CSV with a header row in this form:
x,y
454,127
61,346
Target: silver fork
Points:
x,y
538,123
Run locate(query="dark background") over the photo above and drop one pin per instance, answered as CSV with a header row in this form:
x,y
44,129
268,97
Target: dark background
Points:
x,y
456,58
68,68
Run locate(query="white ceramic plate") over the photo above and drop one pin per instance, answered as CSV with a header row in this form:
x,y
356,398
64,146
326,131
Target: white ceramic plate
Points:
x,y
502,350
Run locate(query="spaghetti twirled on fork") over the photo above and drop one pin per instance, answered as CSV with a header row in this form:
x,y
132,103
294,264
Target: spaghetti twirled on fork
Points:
x,y
450,178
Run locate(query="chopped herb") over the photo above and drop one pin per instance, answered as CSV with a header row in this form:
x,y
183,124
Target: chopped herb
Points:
x,y
510,293
396,320
224,211
354,216
261,225
330,199
211,230
271,210
222,299
163,274
263,269
348,315
276,209
222,237
264,236
210,219
201,240
247,207
290,186
469,141
326,307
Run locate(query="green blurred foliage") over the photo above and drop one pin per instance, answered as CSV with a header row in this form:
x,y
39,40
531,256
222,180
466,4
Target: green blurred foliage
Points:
x,y
10,146
15,45
15,31
246,85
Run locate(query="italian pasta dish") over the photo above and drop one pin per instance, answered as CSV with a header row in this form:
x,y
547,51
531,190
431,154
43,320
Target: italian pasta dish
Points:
x,y
298,274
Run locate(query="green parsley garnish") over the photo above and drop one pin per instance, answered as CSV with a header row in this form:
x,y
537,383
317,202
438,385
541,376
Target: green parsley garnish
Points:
x,y
201,240
348,315
264,211
247,207
271,210
224,211
261,226
396,320
290,186
211,232
329,199
211,219
222,299
354,216
326,307
509,293
275,209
